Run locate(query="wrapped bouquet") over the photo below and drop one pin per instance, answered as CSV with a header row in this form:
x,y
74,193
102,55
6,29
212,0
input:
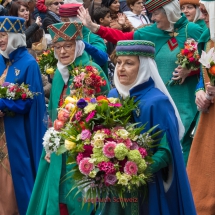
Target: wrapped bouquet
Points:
x,y
111,155
187,58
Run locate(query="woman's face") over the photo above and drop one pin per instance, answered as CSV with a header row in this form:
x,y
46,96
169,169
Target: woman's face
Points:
x,y
23,12
115,6
3,40
189,11
127,69
137,8
160,18
65,50
54,7
205,14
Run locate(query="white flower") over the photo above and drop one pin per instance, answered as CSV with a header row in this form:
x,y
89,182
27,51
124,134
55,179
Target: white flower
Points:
x,y
207,58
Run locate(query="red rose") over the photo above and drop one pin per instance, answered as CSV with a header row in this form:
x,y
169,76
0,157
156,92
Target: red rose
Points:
x,y
89,68
191,59
186,52
24,96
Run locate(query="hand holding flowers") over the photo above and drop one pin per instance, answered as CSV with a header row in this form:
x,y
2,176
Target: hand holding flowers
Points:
x,y
188,60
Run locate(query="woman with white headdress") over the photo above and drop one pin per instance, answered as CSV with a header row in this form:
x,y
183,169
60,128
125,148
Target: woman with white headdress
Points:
x,y
52,197
21,135
169,32
200,165
191,10
136,75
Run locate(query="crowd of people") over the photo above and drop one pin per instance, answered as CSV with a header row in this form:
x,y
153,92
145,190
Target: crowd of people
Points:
x,y
134,45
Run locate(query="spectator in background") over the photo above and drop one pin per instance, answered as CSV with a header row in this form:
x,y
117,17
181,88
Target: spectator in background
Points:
x,y
5,7
33,32
52,15
101,16
40,9
136,15
123,6
119,21
191,10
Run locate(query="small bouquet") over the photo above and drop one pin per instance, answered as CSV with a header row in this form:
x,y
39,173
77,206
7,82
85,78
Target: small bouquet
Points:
x,y
86,81
15,91
47,62
208,62
111,154
187,58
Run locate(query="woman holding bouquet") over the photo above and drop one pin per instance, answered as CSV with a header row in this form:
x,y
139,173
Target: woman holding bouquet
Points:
x,y
20,134
169,33
200,164
50,195
136,75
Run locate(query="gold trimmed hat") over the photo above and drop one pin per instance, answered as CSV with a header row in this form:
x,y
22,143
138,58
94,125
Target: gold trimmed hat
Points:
x,y
66,31
12,24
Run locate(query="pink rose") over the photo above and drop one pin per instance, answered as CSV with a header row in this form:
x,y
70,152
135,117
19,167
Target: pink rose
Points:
x,y
58,125
85,134
63,115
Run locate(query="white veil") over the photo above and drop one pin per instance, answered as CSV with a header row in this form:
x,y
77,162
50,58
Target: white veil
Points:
x,y
147,69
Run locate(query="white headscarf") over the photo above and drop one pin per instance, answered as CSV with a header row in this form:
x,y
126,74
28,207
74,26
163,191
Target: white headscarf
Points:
x,y
147,69
198,14
210,7
15,40
173,13
79,49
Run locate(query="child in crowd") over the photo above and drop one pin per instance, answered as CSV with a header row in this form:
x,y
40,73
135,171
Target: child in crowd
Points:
x,y
102,17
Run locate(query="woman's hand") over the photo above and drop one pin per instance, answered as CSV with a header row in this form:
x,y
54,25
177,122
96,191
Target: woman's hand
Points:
x,y
47,157
180,74
85,18
210,90
38,21
1,114
121,18
201,100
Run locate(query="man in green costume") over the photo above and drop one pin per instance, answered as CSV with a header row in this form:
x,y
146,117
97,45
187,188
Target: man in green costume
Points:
x,y
169,32
49,190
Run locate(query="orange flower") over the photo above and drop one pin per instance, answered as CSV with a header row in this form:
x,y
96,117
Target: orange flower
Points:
x,y
102,99
190,54
212,70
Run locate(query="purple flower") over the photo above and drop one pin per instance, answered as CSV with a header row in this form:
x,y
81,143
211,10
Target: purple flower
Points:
x,y
82,103
5,84
93,100
110,179
85,134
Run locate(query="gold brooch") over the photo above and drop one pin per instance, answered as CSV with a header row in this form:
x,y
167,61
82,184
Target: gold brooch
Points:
x,y
173,34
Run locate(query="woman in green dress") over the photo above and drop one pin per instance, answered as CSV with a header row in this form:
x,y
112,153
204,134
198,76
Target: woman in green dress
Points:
x,y
50,194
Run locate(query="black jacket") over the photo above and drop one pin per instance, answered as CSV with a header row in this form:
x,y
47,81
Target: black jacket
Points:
x,y
49,20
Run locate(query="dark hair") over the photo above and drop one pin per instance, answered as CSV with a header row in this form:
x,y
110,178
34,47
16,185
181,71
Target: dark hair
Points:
x,y
100,13
15,6
131,2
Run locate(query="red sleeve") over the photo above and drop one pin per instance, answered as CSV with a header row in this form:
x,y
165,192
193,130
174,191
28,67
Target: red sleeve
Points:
x,y
114,35
195,72
41,6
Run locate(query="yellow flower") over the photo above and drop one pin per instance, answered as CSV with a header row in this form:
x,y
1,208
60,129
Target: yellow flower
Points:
x,y
50,71
123,133
92,174
69,145
113,100
90,107
69,99
45,53
123,180
98,143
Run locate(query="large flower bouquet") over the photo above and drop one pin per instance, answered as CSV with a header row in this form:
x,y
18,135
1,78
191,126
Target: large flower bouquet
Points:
x,y
187,58
111,155
47,62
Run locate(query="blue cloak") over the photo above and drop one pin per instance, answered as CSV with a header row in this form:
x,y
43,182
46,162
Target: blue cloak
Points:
x,y
154,108
24,131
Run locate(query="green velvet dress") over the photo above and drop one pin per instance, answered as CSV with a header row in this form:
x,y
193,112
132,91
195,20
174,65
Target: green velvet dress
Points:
x,y
183,95
49,189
